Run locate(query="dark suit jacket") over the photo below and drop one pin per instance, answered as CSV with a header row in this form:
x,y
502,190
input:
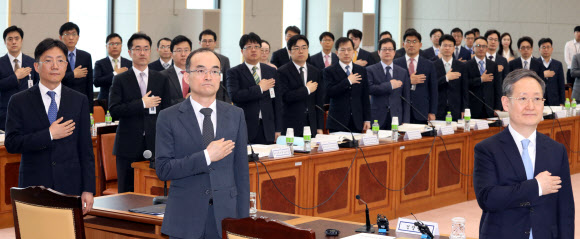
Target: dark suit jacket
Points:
x,y
280,57
489,92
222,93
402,52
83,85
429,53
384,98
424,97
452,94
297,101
247,95
180,158
365,55
156,65
500,60
510,202
125,104
554,93
347,100
375,56
9,85
318,61
104,75
175,94
464,53
66,165
535,65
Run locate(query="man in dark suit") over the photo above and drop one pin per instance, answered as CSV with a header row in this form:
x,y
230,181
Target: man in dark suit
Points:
x,y
469,39
326,57
347,87
48,124
179,89
521,177
503,67
361,57
460,53
110,66
452,84
423,79
299,90
281,57
401,51
432,53
79,72
208,39
201,148
526,60
553,74
482,77
136,97
375,54
16,70
251,86
164,51
387,83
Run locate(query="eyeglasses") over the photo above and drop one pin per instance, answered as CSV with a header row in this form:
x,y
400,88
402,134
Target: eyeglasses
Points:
x,y
59,62
492,39
345,49
525,100
202,72
388,49
114,44
545,47
525,48
481,46
411,42
304,48
265,50
207,41
447,45
164,47
252,47
181,51
70,34
327,40
141,50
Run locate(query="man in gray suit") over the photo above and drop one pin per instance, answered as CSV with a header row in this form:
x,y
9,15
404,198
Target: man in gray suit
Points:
x,y
208,39
209,174
179,88
575,73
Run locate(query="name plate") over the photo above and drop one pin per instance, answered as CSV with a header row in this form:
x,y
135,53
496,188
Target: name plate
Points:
x,y
479,125
411,135
560,114
405,225
368,140
282,152
328,146
445,130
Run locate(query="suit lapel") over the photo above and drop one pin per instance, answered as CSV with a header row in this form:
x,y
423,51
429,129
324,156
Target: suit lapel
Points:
x,y
133,83
296,75
189,120
513,155
109,66
65,102
174,80
247,73
542,154
37,104
223,118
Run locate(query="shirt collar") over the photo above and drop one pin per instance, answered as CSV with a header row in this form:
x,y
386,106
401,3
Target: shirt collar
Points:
x,y
450,61
416,58
518,137
138,72
73,51
324,54
197,107
544,60
435,48
478,60
44,89
250,66
177,69
344,66
494,55
529,60
162,62
19,57
385,65
298,67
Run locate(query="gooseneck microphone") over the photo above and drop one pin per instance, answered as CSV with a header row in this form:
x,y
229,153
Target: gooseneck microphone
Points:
x,y
368,228
348,144
159,199
433,131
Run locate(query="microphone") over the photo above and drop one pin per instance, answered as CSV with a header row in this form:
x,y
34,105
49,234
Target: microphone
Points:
x,y
253,157
497,123
433,131
368,228
159,199
347,144
147,155
423,228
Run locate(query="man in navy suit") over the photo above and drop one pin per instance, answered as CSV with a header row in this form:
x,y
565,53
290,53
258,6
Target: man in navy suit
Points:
x,y
521,177
387,83
79,72
164,51
423,79
110,66
179,89
483,81
49,125
553,74
460,53
361,57
201,148
432,53
208,39
452,88
503,67
251,86
300,92
281,57
326,57
469,39
16,70
347,87
526,60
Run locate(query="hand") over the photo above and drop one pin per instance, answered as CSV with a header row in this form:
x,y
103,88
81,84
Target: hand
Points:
x,y
418,79
151,101
121,70
486,77
266,84
80,72
549,73
499,68
276,135
59,131
396,83
431,116
312,86
354,78
439,55
319,131
366,126
550,184
462,114
22,72
219,149
452,75
87,202
361,62
461,59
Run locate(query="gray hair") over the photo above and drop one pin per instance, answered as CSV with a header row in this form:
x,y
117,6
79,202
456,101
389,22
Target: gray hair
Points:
x,y
515,76
199,50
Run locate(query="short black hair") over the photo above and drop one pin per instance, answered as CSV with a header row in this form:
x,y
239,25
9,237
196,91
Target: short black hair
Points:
x,y
13,29
577,29
136,36
325,34
250,38
113,35
435,30
387,40
293,29
293,40
447,37
457,29
468,33
490,32
412,33
525,38
163,39
342,40
385,33
208,32
480,38
355,33
67,27
48,44
179,39
264,41
199,50
474,30
545,40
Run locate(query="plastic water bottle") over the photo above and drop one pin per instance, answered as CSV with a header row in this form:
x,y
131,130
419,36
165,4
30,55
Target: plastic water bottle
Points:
x,y
93,126
448,118
567,107
290,139
467,118
376,128
108,118
395,129
573,106
307,136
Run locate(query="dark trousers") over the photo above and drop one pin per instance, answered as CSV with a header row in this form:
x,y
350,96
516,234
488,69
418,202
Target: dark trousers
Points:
x,y
351,126
260,137
210,231
125,173
569,78
387,124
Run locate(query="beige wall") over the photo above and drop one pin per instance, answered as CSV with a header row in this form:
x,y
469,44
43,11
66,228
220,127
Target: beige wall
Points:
x,y
264,17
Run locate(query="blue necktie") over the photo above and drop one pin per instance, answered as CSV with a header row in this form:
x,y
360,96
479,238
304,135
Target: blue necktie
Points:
x,y
388,73
481,68
347,71
71,60
52,109
527,164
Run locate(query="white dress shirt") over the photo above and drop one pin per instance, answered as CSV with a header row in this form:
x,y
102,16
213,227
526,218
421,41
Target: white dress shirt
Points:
x,y
162,62
19,57
343,66
571,48
546,64
415,62
487,55
179,76
450,62
329,57
137,74
531,148
46,98
200,117
305,74
529,60
259,72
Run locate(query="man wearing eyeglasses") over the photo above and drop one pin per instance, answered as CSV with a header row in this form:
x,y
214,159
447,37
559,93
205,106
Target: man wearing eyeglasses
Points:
x,y
208,39
552,72
521,177
110,66
179,88
503,68
136,98
452,90
526,60
79,72
165,54
482,77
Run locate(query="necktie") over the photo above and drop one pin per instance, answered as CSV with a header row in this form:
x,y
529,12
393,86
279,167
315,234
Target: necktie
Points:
x,y
207,134
355,56
526,65
481,68
255,74
16,65
347,71
115,61
411,66
491,58
184,85
71,60
326,62
388,73
166,65
447,67
142,84
302,75
436,52
526,159
52,109
456,52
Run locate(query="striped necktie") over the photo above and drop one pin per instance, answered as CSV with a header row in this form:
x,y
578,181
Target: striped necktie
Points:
x,y
255,74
